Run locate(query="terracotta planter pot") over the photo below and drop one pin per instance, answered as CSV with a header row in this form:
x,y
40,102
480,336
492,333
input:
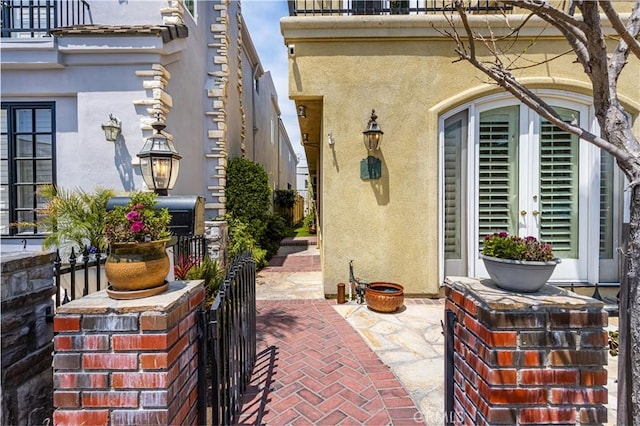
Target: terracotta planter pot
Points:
x,y
384,297
137,266
519,275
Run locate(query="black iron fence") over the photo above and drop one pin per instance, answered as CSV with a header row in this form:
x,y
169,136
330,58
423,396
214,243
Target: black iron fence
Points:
x,y
83,273
36,18
387,7
227,350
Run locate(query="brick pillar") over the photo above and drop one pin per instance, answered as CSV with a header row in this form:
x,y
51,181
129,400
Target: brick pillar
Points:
x,y
126,362
527,358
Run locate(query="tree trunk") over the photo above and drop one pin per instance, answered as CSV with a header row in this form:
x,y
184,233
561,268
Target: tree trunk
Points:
x,y
629,327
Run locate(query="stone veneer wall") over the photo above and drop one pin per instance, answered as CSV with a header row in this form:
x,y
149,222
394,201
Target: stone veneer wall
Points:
x,y
527,358
128,362
27,384
218,95
217,236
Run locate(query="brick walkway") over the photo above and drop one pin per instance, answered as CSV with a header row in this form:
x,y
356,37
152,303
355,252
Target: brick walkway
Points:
x,y
313,368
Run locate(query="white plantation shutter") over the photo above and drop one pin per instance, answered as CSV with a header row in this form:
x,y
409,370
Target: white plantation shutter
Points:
x,y
606,205
498,171
559,172
454,144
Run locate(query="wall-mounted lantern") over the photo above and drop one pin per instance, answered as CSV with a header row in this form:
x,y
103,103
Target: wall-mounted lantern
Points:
x,y
112,128
159,160
373,133
371,167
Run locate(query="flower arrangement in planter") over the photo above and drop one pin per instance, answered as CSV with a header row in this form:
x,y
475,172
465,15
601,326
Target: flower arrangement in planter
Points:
x,y
516,263
137,233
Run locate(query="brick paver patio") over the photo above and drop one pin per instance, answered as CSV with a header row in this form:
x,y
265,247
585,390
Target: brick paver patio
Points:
x,y
313,368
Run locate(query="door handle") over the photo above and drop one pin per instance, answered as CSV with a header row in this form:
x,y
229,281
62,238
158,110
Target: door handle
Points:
x,y
523,212
535,212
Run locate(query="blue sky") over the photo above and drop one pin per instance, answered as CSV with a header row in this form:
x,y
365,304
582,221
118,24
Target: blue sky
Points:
x,y
262,17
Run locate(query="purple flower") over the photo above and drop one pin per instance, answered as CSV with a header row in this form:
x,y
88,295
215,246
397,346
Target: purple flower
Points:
x,y
531,239
137,227
503,234
133,216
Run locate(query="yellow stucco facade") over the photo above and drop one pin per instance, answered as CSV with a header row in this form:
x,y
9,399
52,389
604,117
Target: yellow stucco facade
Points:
x,y
342,67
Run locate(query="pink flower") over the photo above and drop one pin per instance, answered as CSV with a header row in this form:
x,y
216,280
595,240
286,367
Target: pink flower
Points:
x,y
137,227
139,206
133,216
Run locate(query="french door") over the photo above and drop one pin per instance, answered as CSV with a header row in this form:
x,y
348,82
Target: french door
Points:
x,y
503,168
530,182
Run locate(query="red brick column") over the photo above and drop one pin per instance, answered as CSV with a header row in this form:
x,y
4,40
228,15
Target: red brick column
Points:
x,y
128,362
527,358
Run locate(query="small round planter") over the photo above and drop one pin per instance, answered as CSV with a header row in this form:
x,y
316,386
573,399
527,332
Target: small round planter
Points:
x,y
136,267
384,297
519,275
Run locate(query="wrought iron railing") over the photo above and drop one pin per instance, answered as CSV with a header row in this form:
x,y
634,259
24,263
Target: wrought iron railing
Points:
x,y
227,352
36,18
83,273
387,7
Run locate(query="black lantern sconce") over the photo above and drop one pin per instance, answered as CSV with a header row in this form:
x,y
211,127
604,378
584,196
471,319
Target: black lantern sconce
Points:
x,y
112,128
371,167
159,160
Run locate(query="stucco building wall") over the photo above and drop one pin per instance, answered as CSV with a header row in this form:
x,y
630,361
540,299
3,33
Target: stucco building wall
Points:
x,y
405,70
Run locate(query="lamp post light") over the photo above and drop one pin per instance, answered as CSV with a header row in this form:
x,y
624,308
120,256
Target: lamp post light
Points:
x,y
371,167
159,161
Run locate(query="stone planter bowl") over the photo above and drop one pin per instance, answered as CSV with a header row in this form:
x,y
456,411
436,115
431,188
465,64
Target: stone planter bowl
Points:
x,y
519,275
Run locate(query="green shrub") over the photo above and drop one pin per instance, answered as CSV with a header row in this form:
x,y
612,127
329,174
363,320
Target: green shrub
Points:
x,y
251,226
274,232
241,240
248,193
285,198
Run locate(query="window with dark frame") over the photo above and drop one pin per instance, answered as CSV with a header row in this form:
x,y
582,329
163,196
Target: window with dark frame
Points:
x,y
27,161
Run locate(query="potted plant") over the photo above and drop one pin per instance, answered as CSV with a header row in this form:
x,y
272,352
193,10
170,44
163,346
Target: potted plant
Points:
x,y
72,219
518,264
310,221
137,234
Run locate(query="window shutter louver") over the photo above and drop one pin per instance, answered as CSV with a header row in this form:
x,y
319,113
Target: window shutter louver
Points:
x,y
498,172
559,172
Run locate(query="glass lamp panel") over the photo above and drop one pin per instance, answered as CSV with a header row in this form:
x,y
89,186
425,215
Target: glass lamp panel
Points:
x,y
161,172
175,168
147,174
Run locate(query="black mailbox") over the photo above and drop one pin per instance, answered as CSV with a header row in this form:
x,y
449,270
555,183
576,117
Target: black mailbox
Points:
x,y
187,212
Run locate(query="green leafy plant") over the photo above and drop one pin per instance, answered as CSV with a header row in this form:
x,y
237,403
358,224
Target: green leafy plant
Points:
x,y
285,198
212,274
505,246
138,221
251,225
72,218
183,265
241,240
274,232
310,219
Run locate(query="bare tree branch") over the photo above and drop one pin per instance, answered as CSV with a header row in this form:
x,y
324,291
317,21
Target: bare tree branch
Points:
x,y
506,80
629,33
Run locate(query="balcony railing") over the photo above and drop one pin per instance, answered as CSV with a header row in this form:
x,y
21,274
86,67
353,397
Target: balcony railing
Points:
x,y
386,7
36,18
